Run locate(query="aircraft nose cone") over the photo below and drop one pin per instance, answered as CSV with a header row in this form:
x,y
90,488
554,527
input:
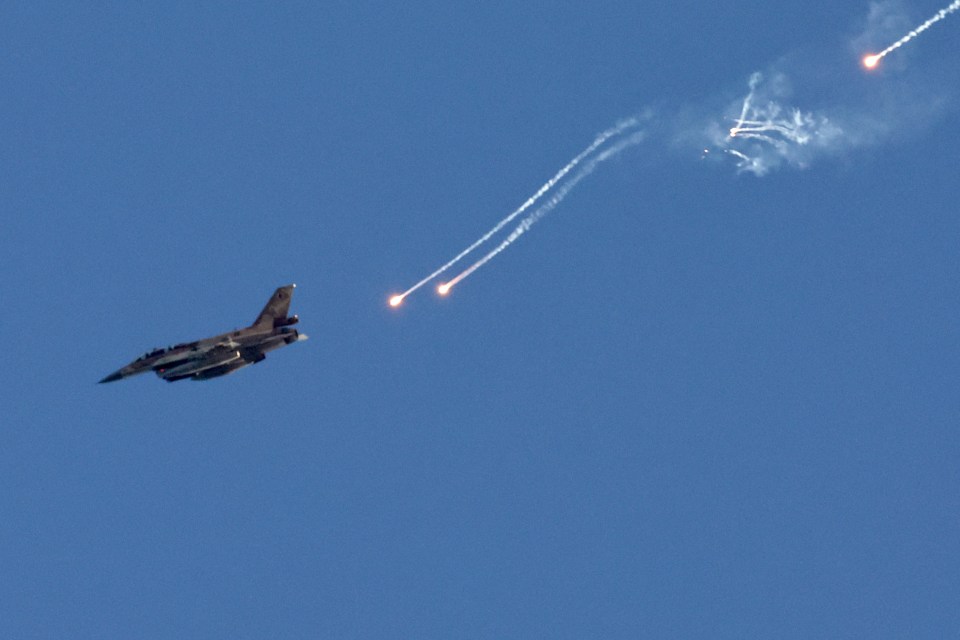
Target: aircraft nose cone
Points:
x,y
113,377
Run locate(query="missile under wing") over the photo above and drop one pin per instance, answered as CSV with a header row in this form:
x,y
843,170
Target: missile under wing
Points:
x,y
224,353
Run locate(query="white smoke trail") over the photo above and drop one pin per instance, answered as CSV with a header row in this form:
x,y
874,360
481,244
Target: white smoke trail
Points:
x,y
766,131
549,205
598,141
871,61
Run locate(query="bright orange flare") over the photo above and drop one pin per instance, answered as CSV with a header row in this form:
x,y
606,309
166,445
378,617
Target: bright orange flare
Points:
x,y
443,289
871,61
396,300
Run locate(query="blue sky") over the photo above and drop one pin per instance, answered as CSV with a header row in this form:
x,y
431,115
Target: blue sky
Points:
x,y
693,402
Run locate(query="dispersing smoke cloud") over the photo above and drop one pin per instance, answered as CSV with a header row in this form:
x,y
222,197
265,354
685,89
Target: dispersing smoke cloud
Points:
x,y
766,129
768,133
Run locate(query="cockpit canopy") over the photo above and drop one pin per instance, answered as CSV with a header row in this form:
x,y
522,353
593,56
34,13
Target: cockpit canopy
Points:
x,y
150,354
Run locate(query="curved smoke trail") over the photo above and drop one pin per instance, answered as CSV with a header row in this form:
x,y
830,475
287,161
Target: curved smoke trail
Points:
x,y
598,142
549,205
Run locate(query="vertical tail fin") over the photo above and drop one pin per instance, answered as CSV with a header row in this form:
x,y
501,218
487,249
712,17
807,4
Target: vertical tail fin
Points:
x,y
276,308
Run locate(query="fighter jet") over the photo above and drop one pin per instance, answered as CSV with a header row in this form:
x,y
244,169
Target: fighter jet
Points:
x,y
225,353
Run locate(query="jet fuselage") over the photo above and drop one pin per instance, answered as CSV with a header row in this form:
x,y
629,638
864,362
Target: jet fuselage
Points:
x,y
224,353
